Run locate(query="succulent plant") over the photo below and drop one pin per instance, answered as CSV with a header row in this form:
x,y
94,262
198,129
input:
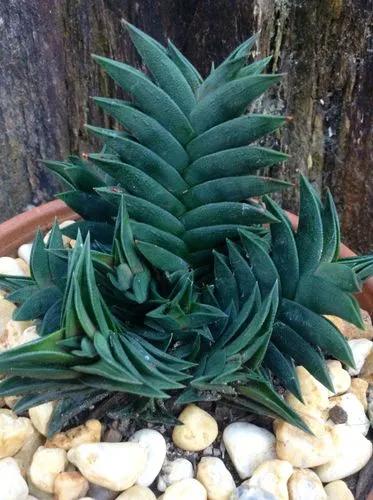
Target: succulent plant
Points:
x,y
186,281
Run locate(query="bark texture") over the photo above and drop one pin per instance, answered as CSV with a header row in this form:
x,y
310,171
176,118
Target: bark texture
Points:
x,y
323,47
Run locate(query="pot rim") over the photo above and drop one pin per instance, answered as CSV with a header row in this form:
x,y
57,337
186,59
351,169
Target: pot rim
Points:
x,y
21,229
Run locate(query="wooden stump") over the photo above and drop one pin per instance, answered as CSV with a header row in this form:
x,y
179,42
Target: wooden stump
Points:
x,y
322,46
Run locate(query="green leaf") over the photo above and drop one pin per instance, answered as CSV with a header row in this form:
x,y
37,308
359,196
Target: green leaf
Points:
x,y
331,231
316,330
146,130
231,189
226,290
262,264
142,185
289,342
224,213
149,98
160,258
309,237
229,101
261,392
164,70
329,299
144,211
231,162
284,250
188,70
283,368
88,206
233,134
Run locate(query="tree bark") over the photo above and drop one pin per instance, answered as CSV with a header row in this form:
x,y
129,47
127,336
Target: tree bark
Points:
x,y
322,47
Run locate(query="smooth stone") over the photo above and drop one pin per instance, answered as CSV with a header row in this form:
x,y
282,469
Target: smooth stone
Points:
x,y
70,486
6,311
99,493
359,387
32,442
351,331
337,415
137,492
254,493
341,379
17,333
248,446
24,252
13,433
90,432
173,471
187,489
12,484
315,395
154,445
367,370
272,476
303,484
302,449
198,431
356,416
46,464
115,466
216,478
338,490
40,416
10,266
361,349
352,452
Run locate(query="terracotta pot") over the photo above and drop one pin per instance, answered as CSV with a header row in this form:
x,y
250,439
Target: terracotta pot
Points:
x,y
21,229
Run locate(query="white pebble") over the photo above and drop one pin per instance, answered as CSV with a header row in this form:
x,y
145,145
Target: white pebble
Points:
x,y
338,490
89,432
360,350
352,452
24,252
46,464
187,489
305,484
248,446
341,379
13,433
115,466
303,449
12,484
155,446
173,471
356,416
245,492
198,431
315,395
137,493
70,486
216,478
10,266
273,477
32,442
40,416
